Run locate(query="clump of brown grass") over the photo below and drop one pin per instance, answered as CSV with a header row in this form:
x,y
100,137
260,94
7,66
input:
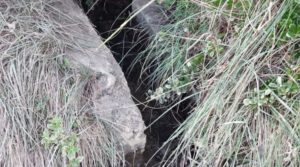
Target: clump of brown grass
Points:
x,y
38,83
221,130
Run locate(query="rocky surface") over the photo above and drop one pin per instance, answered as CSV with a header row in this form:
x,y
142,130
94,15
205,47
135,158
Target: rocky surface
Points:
x,y
111,97
152,17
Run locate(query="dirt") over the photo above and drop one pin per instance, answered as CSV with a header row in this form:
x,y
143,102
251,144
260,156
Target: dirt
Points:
x,y
108,16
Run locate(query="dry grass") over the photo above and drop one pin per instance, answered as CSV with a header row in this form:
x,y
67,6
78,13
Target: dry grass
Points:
x,y
221,130
38,83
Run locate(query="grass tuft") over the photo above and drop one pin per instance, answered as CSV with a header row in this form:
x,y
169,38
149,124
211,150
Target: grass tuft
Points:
x,y
238,61
45,110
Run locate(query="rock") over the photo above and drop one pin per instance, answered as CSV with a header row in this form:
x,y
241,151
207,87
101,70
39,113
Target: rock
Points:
x,y
152,17
112,99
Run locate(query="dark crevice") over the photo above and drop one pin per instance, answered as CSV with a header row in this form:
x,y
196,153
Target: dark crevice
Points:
x,y
107,16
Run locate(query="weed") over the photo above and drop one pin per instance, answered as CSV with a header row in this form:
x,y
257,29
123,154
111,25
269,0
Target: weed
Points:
x,y
290,24
56,136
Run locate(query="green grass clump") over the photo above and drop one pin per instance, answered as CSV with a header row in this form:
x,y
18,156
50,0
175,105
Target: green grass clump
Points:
x,y
246,86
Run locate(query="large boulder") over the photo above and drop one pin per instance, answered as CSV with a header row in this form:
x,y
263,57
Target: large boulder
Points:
x,y
111,97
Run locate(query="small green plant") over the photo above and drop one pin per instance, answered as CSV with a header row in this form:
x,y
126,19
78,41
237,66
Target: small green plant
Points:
x,y
174,87
213,48
55,135
264,95
178,84
290,24
284,88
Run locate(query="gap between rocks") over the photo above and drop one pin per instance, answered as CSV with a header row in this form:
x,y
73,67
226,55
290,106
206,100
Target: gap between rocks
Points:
x,y
107,16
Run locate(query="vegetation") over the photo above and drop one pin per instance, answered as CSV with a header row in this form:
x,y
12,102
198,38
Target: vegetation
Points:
x,y
45,117
67,143
238,61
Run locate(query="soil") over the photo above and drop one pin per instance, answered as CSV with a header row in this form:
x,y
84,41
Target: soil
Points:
x,y
132,40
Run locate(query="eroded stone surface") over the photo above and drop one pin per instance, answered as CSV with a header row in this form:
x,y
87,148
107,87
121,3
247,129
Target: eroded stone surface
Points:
x,y
111,98
152,17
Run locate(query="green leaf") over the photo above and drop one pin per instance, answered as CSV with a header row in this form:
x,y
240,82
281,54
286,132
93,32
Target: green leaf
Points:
x,y
71,152
46,138
248,102
55,123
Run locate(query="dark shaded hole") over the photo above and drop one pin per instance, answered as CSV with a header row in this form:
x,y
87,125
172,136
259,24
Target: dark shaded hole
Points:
x,y
107,16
